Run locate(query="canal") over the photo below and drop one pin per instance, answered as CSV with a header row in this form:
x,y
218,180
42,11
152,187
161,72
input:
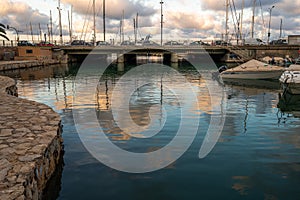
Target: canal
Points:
x,y
255,157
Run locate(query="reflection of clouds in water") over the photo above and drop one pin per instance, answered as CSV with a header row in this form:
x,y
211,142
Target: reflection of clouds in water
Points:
x,y
242,184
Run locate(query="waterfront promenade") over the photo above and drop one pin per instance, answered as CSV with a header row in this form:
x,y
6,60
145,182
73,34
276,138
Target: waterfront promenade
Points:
x,y
30,144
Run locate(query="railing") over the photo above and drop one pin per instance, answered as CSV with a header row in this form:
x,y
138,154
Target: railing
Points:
x,y
241,53
14,43
5,43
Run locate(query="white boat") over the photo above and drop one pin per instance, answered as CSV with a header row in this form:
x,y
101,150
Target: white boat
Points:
x,y
253,69
290,79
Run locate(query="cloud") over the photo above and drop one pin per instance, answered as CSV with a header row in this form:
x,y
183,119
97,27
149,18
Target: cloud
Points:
x,y
220,5
188,21
19,15
114,8
288,8
183,19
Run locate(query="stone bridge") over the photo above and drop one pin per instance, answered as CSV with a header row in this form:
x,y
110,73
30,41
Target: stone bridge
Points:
x,y
175,53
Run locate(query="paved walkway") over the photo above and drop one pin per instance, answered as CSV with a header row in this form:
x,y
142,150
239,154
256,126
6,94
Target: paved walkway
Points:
x,y
30,144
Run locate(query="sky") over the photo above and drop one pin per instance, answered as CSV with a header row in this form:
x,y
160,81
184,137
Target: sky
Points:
x,y
184,20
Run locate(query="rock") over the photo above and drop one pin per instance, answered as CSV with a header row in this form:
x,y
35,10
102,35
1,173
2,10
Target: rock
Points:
x,y
29,158
6,132
27,129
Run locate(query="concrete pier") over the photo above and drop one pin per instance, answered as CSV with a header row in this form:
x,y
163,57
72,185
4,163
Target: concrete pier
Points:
x,y
12,65
30,144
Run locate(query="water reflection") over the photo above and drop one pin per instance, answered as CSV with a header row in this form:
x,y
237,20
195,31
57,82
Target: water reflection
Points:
x,y
259,156
289,104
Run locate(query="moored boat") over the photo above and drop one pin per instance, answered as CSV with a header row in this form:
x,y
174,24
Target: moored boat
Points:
x,y
290,80
253,69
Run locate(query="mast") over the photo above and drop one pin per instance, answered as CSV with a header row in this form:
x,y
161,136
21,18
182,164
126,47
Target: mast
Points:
x,y
51,25
40,31
31,32
242,16
280,36
72,21
104,25
136,25
253,19
226,20
161,22
134,30
137,21
48,28
121,31
70,30
60,26
94,12
122,27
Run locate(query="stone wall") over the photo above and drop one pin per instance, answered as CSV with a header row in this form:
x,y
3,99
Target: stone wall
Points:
x,y
30,144
13,65
277,53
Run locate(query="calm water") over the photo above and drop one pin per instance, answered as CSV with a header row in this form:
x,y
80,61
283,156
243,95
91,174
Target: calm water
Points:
x,y
256,157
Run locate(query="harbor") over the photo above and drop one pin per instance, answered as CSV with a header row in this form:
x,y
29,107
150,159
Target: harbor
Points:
x,y
258,122
149,100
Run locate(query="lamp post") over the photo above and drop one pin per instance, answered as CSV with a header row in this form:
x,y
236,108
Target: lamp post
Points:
x,y
17,31
269,33
161,22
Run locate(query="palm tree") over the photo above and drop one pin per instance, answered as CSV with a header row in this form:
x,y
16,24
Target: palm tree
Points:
x,y
2,32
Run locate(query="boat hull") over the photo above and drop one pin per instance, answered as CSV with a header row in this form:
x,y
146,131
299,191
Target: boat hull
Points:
x,y
290,81
261,75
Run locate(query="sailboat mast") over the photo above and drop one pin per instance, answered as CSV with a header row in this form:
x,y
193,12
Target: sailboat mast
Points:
x,y
70,31
242,16
136,26
51,26
104,25
31,32
280,36
40,31
134,30
94,14
226,20
123,18
60,25
161,22
253,19
48,28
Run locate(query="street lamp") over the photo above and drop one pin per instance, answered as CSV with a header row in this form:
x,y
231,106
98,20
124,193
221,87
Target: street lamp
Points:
x,y
161,22
269,33
17,31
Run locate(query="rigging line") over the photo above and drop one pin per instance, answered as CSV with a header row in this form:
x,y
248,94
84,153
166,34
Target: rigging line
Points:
x,y
237,20
85,32
88,24
85,18
233,17
262,16
262,13
99,11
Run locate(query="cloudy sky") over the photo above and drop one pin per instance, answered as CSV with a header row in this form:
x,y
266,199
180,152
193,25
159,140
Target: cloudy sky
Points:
x,y
183,19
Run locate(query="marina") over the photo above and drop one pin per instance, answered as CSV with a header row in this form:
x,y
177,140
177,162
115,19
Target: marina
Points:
x,y
133,99
259,136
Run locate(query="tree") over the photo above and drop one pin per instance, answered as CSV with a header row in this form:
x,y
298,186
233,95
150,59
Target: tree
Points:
x,y
2,32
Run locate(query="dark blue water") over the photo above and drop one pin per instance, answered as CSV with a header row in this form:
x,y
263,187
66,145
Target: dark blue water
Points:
x,y
256,157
